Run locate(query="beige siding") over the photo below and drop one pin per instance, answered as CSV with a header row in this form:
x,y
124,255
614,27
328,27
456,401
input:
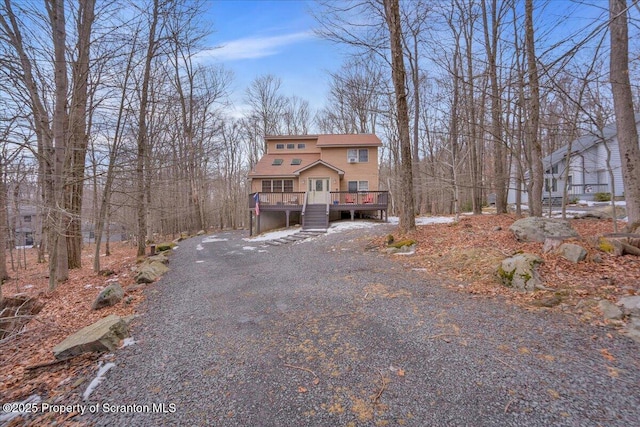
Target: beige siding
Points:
x,y
353,171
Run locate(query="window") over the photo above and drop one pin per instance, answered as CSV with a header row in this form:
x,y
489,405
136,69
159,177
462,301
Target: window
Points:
x,y
550,185
277,185
291,146
277,162
552,170
27,218
279,146
296,161
302,146
358,155
354,186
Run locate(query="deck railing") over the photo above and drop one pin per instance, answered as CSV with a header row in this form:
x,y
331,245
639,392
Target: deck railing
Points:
x,y
360,198
268,199
335,199
582,189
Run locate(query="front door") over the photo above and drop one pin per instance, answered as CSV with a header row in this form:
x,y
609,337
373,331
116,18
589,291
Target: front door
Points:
x,y
318,190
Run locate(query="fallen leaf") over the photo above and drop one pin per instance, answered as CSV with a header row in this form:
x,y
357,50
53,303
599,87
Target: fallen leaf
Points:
x,y
316,381
613,372
605,353
553,393
302,389
400,372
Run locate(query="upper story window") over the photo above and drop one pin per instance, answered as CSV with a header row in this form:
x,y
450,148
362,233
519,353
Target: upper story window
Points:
x,y
279,146
291,146
552,170
302,146
277,162
296,161
355,155
27,218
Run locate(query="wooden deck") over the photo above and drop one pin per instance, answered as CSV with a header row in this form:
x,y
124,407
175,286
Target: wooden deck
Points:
x,y
338,201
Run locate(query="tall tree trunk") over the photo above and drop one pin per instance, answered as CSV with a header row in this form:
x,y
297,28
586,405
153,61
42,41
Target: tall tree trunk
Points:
x,y
4,232
142,134
537,170
623,106
491,46
78,138
58,262
407,214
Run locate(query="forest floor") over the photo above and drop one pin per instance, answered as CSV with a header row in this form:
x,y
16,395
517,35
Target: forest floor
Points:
x,y
462,255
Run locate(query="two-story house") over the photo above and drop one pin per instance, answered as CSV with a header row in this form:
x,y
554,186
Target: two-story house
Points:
x,y
313,179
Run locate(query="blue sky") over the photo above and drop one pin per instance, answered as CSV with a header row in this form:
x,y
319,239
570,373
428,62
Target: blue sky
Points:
x,y
272,37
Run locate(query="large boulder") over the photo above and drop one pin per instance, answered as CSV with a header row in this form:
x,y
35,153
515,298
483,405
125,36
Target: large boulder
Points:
x,y
610,310
104,335
521,272
111,295
536,229
149,272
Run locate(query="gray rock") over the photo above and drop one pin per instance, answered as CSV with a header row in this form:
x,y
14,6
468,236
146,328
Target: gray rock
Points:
x,y
161,257
111,295
149,272
104,335
551,244
633,329
572,252
610,310
630,305
521,272
536,229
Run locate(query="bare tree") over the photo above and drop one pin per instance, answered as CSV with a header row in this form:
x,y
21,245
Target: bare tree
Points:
x,y
392,13
623,106
267,103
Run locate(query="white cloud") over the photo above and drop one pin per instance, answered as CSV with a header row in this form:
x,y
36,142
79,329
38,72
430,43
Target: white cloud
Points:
x,y
254,47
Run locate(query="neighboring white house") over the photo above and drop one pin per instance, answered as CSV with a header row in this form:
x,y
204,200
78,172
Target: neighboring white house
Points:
x,y
588,170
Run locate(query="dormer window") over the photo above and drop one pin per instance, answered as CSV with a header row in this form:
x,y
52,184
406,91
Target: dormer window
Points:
x,y
277,162
279,146
291,146
302,146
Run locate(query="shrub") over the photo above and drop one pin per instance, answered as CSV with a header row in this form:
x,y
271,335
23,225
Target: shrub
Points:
x,y
602,197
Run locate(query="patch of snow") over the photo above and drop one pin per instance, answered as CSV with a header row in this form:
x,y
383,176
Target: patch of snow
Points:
x,y
426,220
97,380
405,253
214,239
337,227
263,251
175,247
29,403
28,286
127,342
272,235
249,248
88,286
199,261
199,247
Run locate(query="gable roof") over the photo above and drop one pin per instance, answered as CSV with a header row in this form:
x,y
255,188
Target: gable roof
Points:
x,y
584,143
333,140
265,166
319,162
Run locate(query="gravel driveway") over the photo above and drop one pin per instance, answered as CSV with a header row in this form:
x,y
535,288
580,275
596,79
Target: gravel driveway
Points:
x,y
323,332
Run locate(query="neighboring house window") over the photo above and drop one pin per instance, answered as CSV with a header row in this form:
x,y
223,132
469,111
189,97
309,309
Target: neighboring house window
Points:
x,y
296,161
279,146
358,155
552,170
27,218
277,185
302,146
550,185
291,146
277,162
355,186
